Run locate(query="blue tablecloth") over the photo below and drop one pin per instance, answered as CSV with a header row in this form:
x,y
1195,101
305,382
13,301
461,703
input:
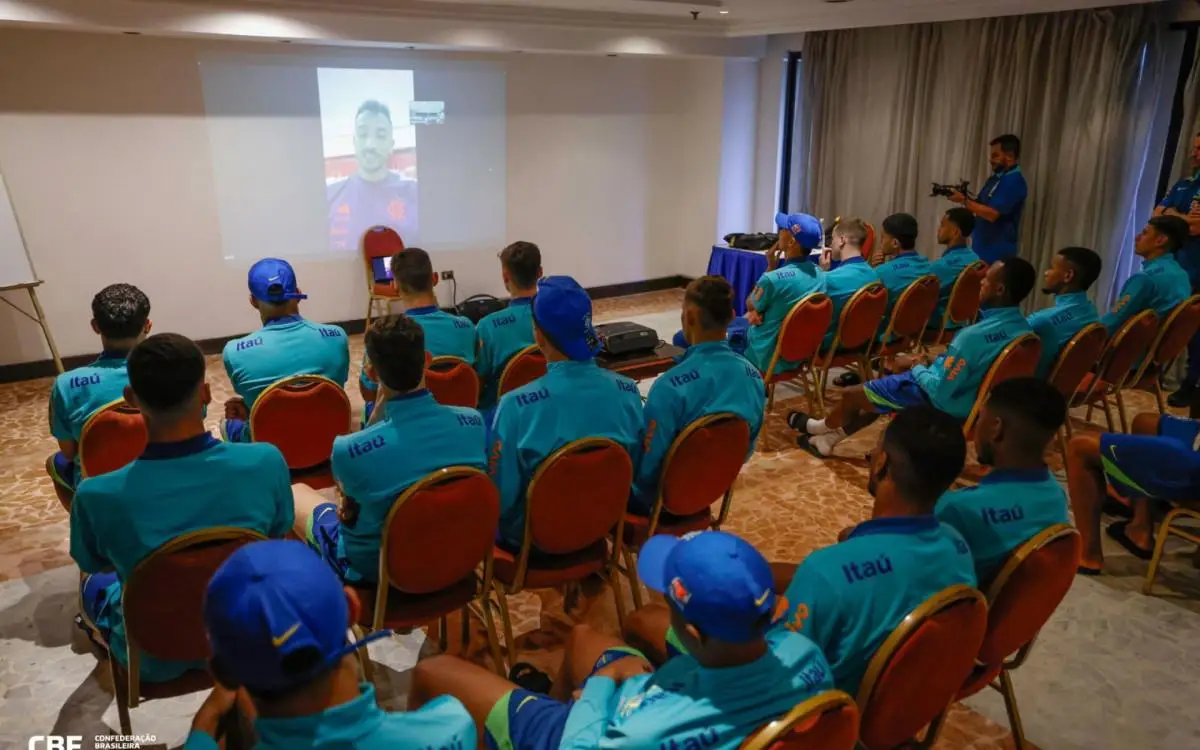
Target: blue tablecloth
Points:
x,y
741,268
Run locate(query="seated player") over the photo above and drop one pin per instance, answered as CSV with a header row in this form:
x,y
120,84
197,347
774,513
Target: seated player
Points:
x,y
285,346
1071,273
734,678
121,315
277,620
446,335
502,334
1162,283
709,379
1157,461
849,597
186,480
1019,498
412,437
951,383
575,399
954,233
852,273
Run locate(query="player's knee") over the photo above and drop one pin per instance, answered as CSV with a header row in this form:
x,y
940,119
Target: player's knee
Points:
x,y
425,674
1083,448
1146,423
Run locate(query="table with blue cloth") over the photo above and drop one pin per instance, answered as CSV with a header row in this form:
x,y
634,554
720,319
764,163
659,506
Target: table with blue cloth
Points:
x,y
741,268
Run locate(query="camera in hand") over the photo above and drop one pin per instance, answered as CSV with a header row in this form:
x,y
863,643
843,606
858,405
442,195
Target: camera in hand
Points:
x,y
946,191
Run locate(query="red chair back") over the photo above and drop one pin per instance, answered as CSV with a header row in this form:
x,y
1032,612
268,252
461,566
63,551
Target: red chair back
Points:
x,y
163,600
828,721
523,368
1077,359
439,531
301,416
113,436
1174,335
1017,360
452,382
577,495
380,242
859,322
963,304
868,247
803,330
1127,347
918,670
703,462
914,308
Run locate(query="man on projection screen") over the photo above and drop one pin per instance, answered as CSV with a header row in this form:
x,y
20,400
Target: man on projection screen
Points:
x,y
374,194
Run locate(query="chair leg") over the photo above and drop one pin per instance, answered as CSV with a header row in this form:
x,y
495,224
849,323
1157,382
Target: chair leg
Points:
x,y
1010,705
364,659
1088,416
614,580
443,635
1062,442
1067,426
1160,543
1158,395
1121,412
370,309
770,397
509,642
935,728
120,682
489,624
631,574
465,631
1108,417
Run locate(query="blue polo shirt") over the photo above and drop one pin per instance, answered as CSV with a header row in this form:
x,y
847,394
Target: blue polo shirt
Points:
x,y
417,437
952,381
776,293
685,705
446,335
1181,197
500,335
119,518
282,348
710,379
1004,191
948,268
573,400
848,598
80,393
362,725
841,284
1007,509
1057,325
1160,286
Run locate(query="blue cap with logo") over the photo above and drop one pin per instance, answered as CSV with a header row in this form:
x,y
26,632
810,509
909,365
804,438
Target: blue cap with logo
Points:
x,y
719,581
563,311
806,229
269,601
273,280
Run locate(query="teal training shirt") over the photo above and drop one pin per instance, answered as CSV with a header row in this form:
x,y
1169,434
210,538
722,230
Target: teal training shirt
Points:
x,y
1160,286
848,598
79,393
1057,325
117,519
952,381
417,437
776,293
501,335
446,335
841,284
572,400
282,348
897,275
947,268
442,724
709,379
1007,509
684,705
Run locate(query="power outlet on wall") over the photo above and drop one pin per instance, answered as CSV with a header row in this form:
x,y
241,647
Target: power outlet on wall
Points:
x,y
447,275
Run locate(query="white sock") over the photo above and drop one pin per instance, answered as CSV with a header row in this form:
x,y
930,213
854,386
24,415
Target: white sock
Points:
x,y
816,427
825,443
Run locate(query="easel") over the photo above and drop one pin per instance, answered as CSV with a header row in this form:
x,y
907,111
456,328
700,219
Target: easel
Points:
x,y
39,317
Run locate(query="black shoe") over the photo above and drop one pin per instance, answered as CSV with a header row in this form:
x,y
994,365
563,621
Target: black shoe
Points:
x,y
1182,398
529,677
798,421
847,379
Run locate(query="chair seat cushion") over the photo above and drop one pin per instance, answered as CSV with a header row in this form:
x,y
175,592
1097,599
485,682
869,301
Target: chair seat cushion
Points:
x,y
785,375
1081,392
413,610
193,681
548,571
637,527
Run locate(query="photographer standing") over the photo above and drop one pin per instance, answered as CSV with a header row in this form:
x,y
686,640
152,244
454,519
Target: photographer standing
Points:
x,y
1000,203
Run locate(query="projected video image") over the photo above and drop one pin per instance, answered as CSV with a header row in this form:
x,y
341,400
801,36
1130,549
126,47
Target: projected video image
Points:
x,y
370,146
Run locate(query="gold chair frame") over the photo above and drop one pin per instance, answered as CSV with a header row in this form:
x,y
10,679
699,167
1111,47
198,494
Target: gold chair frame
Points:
x,y
294,381
985,387
1114,389
816,706
508,367
120,405
1064,354
804,372
823,365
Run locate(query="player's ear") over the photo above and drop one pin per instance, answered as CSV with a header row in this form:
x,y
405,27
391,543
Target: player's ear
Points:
x,y
131,398
205,393
253,302
353,604
372,373
539,273
435,279
146,328
95,327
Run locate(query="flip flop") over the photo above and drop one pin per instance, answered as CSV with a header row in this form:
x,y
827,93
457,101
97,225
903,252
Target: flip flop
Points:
x,y
529,677
1084,571
803,442
1116,532
798,421
847,379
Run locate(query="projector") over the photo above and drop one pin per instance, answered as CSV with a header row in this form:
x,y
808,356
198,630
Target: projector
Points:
x,y
626,338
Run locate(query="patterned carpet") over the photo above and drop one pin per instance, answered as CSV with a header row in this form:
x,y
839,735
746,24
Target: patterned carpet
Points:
x,y
1079,690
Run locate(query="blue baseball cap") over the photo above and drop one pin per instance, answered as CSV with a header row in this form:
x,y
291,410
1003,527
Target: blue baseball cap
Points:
x,y
273,280
268,601
720,582
806,229
563,310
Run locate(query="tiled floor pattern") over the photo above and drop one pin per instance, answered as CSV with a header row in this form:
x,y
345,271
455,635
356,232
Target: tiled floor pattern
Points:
x,y
1114,669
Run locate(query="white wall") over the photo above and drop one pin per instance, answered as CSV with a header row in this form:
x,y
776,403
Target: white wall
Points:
x,y
613,168
739,132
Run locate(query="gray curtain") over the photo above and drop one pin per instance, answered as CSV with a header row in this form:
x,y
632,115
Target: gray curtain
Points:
x,y
886,111
1191,122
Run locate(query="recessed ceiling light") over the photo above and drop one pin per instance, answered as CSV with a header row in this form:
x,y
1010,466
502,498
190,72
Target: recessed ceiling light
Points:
x,y
723,12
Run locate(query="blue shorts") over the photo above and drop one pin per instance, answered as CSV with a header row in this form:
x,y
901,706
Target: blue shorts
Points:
x,y
895,393
94,596
368,408
65,471
1163,467
235,430
323,532
525,720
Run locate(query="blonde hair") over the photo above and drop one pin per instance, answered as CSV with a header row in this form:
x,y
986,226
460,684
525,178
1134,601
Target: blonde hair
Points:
x,y
854,230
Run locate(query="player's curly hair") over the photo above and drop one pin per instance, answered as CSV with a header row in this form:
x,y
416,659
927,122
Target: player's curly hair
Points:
x,y
120,311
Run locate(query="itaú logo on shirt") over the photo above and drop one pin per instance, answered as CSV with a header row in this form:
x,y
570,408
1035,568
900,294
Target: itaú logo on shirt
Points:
x,y
363,447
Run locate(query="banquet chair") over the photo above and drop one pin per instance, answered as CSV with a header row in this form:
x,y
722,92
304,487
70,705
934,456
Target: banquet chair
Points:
x,y
113,436
1117,368
910,317
452,382
799,341
379,242
1017,360
962,307
827,721
857,327
522,368
301,416
1185,510
1073,363
1173,336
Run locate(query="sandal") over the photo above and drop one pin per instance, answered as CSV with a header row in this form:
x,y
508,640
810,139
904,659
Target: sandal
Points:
x,y
530,678
1116,532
